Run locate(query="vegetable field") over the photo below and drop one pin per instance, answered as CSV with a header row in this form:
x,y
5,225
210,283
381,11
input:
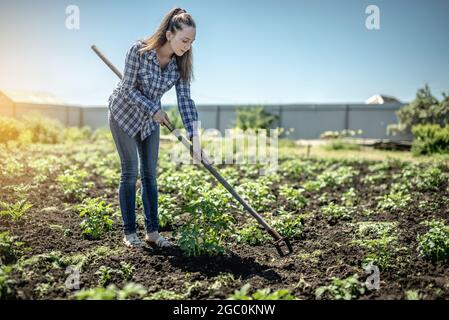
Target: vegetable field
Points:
x,y
361,229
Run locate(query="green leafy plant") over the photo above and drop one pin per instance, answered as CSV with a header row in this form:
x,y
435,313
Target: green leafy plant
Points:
x,y
335,212
261,294
425,109
75,134
341,289
6,283
288,226
220,281
130,291
430,178
43,129
126,270
168,210
258,195
10,249
434,244
394,201
9,129
104,275
349,198
165,295
207,229
252,234
379,239
96,216
74,183
294,168
430,139
15,210
254,118
294,197
334,176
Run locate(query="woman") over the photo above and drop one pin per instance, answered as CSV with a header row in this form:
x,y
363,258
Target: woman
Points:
x,y
152,67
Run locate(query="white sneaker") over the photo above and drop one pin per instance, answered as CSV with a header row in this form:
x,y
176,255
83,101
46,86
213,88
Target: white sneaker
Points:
x,y
157,239
131,240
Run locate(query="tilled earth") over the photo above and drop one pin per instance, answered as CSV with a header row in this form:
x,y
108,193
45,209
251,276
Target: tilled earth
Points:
x,y
326,249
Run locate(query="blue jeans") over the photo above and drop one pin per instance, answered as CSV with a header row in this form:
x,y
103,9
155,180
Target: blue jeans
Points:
x,y
131,152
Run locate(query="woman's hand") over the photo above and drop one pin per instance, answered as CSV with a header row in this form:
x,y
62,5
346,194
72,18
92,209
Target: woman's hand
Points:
x,y
161,117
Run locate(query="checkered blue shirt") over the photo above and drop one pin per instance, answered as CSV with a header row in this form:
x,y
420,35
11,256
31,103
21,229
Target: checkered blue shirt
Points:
x,y
137,97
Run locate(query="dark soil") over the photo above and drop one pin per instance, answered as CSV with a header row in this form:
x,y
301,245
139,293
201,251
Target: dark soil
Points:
x,y
156,269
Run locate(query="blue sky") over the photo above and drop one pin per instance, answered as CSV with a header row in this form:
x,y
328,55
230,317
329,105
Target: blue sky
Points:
x,y
311,51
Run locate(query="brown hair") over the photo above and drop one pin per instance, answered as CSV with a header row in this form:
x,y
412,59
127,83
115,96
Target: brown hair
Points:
x,y
173,21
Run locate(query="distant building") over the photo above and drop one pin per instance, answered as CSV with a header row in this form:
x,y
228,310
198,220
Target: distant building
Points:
x,y
381,99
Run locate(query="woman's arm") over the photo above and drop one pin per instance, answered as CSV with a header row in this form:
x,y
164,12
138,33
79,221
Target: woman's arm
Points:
x,y
187,108
128,86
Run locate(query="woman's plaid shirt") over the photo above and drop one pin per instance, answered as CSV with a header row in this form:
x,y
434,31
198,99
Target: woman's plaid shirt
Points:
x,y
137,96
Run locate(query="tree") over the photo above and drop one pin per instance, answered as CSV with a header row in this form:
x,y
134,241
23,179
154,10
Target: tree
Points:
x,y
425,109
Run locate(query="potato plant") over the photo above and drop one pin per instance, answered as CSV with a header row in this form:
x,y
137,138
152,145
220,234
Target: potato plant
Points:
x,y
379,241
335,212
341,289
74,184
97,217
10,248
434,244
260,294
252,234
294,197
207,229
16,210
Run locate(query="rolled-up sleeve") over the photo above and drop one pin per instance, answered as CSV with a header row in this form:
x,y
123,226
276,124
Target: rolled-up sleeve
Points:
x,y
187,108
129,84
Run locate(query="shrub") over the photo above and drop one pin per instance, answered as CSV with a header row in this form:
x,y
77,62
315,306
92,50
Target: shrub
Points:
x,y
425,109
430,138
96,217
254,118
43,130
75,134
434,244
9,129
